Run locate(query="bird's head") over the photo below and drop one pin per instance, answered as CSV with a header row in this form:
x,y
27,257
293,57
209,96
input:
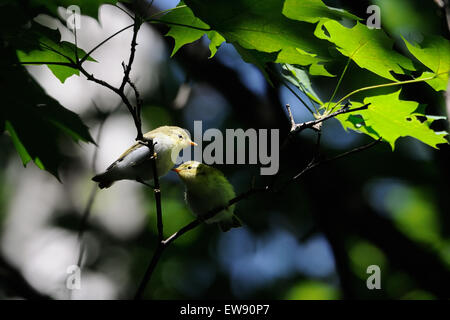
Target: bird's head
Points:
x,y
179,136
171,138
190,170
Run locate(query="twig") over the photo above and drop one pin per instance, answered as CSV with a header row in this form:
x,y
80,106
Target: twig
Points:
x,y
119,92
291,117
283,81
313,123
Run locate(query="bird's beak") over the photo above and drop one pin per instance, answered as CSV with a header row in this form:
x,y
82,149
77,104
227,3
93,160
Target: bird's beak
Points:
x,y
193,144
176,170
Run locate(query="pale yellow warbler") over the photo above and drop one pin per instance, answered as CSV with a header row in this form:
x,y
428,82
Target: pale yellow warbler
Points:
x,y
208,189
135,163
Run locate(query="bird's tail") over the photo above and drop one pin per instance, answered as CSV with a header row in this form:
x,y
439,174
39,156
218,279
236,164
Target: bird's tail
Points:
x,y
226,225
103,180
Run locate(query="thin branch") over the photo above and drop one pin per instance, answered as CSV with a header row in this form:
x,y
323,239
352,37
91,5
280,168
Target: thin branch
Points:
x,y
314,164
126,77
122,94
284,82
77,58
291,117
124,11
340,80
314,123
353,151
149,20
56,51
83,223
88,54
163,244
391,84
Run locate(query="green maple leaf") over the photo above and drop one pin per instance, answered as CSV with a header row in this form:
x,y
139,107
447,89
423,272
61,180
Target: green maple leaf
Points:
x,y
50,49
390,118
434,53
48,55
368,48
300,79
251,26
313,11
36,122
186,28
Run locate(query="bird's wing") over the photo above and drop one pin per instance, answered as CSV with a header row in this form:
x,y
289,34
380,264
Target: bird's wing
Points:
x,y
133,148
149,135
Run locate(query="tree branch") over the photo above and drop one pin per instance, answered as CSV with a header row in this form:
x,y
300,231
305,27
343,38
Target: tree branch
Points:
x,y
162,245
135,112
312,124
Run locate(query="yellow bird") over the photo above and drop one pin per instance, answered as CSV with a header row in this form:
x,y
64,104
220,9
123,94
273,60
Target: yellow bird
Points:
x,y
208,189
135,163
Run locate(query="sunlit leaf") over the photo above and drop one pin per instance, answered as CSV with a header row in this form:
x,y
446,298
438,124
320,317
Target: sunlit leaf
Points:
x,y
391,118
313,290
52,51
368,48
434,53
313,10
36,122
186,28
300,79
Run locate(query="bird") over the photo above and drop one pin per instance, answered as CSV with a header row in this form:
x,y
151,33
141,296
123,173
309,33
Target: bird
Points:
x,y
135,163
207,189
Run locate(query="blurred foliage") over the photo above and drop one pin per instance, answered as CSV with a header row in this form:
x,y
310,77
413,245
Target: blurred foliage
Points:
x,y
34,120
265,30
313,291
392,225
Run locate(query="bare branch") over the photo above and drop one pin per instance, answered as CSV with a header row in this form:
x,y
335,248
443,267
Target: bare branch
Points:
x,y
291,117
313,123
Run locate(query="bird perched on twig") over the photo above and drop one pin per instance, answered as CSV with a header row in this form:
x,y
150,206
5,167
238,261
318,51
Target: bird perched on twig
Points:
x,y
135,163
208,189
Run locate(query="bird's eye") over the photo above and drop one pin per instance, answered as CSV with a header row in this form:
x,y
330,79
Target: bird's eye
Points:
x,y
189,167
180,136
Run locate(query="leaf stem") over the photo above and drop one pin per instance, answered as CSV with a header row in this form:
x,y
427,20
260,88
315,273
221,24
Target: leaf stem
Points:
x,y
384,86
339,81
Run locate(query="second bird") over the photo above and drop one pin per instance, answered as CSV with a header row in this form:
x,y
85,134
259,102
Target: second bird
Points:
x,y
208,189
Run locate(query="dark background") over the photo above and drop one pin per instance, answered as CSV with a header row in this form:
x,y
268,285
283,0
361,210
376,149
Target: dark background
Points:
x,y
313,241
